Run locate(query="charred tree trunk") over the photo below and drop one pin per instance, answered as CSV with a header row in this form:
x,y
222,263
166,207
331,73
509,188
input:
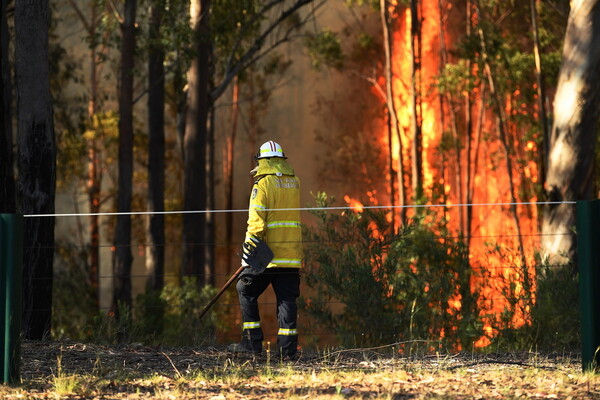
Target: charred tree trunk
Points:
x,y
469,134
195,149
155,253
417,145
7,189
37,163
574,131
450,109
123,257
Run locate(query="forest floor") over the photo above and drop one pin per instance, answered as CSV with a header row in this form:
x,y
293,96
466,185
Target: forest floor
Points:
x,y
65,370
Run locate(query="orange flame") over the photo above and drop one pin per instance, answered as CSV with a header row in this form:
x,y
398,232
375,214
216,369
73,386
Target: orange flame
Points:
x,y
490,180
356,205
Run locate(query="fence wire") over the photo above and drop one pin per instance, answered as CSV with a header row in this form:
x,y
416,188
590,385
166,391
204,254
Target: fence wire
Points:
x,y
230,307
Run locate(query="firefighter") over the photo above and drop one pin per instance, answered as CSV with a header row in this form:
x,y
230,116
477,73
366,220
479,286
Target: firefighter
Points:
x,y
274,217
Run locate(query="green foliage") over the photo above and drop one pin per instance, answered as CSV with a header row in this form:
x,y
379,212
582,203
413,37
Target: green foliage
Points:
x,y
372,3
172,316
169,317
234,26
554,315
372,286
324,49
456,78
72,319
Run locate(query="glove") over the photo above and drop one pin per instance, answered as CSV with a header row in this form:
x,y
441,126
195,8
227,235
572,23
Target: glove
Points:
x,y
256,254
247,276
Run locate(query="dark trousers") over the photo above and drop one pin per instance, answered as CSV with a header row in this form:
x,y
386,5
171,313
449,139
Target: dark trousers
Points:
x,y
286,284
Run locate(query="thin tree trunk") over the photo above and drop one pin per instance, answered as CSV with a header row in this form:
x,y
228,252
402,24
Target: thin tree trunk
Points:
x,y
417,145
574,131
253,126
458,176
155,253
393,124
501,124
541,93
473,154
469,134
94,168
94,183
7,189
37,163
209,262
195,146
123,257
235,98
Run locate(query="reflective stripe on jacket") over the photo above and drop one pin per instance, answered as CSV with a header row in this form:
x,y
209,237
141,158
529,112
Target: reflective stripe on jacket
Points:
x,y
277,190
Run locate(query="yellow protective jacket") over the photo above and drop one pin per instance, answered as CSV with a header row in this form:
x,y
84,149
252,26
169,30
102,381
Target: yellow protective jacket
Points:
x,y
275,188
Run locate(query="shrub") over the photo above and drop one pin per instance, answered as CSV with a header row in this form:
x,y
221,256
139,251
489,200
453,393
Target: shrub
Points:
x,y
173,316
373,286
554,317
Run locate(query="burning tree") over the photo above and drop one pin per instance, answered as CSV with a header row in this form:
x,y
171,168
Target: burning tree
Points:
x,y
463,81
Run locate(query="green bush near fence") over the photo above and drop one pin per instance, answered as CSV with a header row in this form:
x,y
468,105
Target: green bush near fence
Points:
x,y
372,286
172,316
168,317
554,316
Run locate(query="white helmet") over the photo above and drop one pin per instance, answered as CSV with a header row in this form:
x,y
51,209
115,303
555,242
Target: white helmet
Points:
x,y
270,149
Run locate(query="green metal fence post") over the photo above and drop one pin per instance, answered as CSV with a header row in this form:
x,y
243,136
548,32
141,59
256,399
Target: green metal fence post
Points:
x,y
588,254
3,268
12,257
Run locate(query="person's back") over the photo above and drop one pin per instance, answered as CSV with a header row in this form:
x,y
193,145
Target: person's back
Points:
x,y
277,192
274,217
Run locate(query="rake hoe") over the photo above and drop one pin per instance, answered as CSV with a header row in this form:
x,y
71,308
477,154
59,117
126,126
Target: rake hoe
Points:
x,y
257,255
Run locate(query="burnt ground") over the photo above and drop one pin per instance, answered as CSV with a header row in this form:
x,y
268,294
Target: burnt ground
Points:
x,y
42,359
126,372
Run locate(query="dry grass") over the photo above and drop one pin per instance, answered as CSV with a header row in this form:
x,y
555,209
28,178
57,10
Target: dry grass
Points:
x,y
78,371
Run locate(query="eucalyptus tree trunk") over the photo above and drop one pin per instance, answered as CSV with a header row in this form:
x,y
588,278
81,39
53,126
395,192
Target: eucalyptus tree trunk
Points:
x,y
574,131
94,167
393,124
195,149
7,189
36,162
122,258
155,253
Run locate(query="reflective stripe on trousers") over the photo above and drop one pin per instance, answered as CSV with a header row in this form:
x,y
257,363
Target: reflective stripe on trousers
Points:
x,y
251,325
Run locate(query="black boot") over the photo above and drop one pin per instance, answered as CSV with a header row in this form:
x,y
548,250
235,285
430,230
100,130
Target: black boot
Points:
x,y
246,346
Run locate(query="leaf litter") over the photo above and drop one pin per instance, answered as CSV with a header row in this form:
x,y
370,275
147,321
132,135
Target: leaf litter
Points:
x,y
71,370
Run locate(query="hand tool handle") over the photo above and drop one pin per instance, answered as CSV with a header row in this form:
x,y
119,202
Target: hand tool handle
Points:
x,y
214,299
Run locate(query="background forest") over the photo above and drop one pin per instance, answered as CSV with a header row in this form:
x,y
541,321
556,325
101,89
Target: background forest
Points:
x,y
441,145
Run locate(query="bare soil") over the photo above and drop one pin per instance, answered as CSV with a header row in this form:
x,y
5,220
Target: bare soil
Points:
x,y
137,371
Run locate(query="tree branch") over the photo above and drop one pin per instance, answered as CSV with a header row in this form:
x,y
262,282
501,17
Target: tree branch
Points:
x,y
253,53
79,13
